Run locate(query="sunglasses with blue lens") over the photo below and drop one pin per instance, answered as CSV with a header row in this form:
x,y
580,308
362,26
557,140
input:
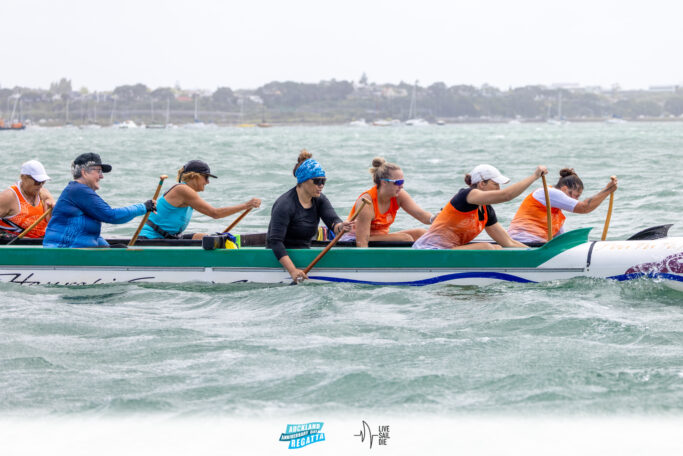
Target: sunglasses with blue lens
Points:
x,y
397,182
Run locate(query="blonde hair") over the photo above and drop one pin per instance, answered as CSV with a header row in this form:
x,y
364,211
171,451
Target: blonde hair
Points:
x,y
186,177
303,156
381,169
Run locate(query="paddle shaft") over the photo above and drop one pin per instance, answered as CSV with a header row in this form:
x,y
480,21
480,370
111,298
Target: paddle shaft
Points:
x,y
548,208
33,225
237,220
609,216
144,219
335,240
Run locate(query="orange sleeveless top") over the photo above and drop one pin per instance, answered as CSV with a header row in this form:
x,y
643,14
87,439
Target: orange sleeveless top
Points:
x,y
381,222
531,217
454,228
26,216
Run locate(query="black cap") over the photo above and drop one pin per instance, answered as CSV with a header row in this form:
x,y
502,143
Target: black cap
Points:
x,y
198,166
91,157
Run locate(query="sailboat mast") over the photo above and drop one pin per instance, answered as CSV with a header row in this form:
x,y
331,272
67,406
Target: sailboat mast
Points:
x,y
113,110
413,102
14,108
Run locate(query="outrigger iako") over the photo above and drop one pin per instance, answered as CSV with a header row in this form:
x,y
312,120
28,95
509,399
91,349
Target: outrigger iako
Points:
x,y
567,256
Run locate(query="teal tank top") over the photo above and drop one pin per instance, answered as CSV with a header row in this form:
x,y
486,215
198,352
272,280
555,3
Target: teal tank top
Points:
x,y
169,218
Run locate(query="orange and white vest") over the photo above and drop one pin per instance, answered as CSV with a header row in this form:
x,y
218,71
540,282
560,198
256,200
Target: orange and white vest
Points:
x,y
25,218
532,218
452,228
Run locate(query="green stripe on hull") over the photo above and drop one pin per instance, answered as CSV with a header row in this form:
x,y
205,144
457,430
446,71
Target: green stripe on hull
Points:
x,y
351,258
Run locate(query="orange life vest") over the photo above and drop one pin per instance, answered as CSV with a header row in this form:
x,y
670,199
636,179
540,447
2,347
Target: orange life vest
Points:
x,y
381,222
453,228
26,216
531,217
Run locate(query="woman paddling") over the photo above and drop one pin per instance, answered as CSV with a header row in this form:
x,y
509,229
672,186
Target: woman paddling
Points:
x,y
469,212
387,197
530,223
296,214
175,207
25,202
78,215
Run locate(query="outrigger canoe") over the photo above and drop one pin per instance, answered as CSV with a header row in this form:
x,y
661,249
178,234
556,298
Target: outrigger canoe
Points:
x,y
567,256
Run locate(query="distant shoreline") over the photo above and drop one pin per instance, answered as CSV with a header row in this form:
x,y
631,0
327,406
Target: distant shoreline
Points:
x,y
337,103
369,124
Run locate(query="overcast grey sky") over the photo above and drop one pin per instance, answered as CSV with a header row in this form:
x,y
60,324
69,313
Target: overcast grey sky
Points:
x,y
244,44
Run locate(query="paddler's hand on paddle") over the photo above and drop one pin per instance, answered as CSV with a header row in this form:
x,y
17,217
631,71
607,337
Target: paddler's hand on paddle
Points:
x,y
612,186
298,275
252,203
48,203
344,227
540,171
151,206
47,198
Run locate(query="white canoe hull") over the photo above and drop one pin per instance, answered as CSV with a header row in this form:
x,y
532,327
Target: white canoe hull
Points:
x,y
660,259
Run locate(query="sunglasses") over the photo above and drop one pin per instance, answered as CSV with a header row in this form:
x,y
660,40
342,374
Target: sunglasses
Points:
x,y
397,182
37,182
319,180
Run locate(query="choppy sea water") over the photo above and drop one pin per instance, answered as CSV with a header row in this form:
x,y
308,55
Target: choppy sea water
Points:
x,y
580,347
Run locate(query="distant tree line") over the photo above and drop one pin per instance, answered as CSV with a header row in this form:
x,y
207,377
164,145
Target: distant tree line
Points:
x,y
332,102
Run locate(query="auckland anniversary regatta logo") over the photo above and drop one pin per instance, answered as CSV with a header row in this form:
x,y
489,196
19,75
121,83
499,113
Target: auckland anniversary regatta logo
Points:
x,y
300,435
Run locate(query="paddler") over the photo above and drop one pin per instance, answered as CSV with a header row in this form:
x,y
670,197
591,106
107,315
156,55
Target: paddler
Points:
x,y
388,196
296,214
175,207
78,215
24,202
470,212
530,223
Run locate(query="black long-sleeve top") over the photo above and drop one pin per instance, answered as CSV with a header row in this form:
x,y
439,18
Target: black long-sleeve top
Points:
x,y
292,226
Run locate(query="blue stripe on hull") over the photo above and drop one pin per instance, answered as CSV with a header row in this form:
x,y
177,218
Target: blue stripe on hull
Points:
x,y
433,280
649,275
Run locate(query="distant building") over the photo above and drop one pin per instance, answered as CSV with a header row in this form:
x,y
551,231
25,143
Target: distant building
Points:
x,y
565,85
394,92
662,88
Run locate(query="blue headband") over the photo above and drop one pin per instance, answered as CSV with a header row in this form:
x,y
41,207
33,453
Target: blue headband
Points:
x,y
308,170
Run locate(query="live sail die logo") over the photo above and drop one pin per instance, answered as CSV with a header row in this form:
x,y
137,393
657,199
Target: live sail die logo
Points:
x,y
301,435
380,437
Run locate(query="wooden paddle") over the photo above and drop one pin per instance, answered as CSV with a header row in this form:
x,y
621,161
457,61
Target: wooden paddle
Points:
x,y
609,216
364,201
144,219
33,225
547,208
237,220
